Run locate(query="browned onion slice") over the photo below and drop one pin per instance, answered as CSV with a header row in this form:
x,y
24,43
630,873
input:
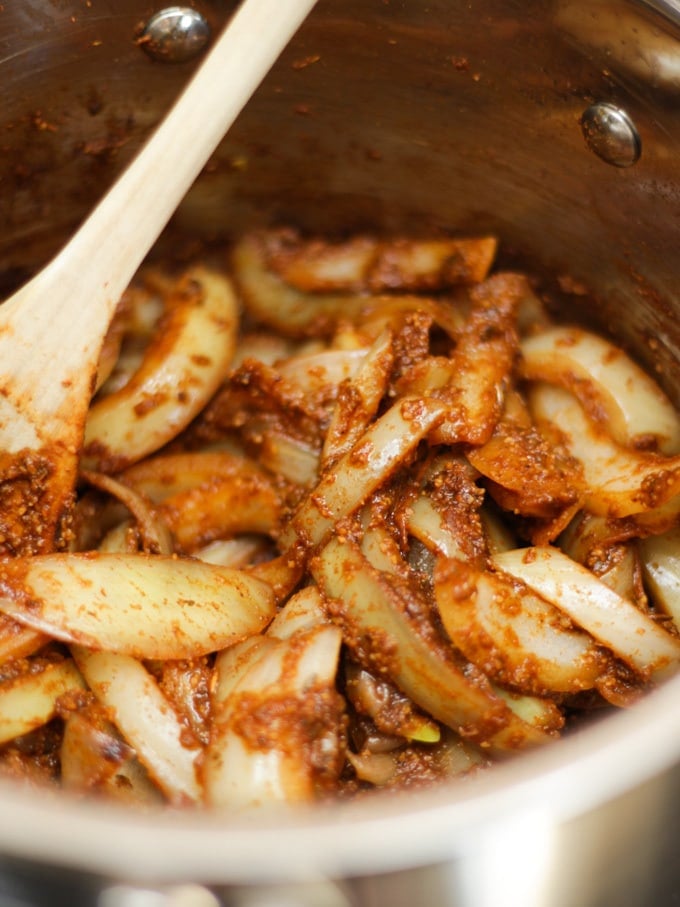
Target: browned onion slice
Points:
x,y
610,386
381,449
276,723
630,633
379,626
618,481
174,381
512,634
661,563
367,263
145,718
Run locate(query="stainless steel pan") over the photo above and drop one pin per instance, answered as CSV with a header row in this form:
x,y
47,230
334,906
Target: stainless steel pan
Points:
x,y
553,123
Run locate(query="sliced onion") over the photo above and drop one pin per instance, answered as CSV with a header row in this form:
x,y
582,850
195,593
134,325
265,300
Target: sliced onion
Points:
x,y
315,371
630,633
379,548
263,734
618,481
525,473
236,553
378,453
232,663
282,574
388,708
91,751
445,515
268,348
661,563
290,458
364,262
145,606
145,718
152,529
542,713
167,475
609,385
17,640
182,368
427,524
499,536
270,301
482,361
122,539
131,785
379,625
226,505
377,769
512,634
30,700
358,399
302,611
603,547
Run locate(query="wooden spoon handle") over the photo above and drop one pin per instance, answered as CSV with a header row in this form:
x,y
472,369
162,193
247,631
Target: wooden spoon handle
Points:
x,y
56,323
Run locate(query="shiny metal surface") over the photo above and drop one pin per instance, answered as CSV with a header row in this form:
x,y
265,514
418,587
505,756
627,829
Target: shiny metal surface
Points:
x,y
611,134
175,34
396,115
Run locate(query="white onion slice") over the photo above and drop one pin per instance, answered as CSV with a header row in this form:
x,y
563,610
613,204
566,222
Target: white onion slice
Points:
x,y
499,536
145,606
316,371
145,718
473,380
166,475
224,506
182,368
290,458
302,611
618,481
258,752
236,553
358,399
270,301
30,700
17,640
542,713
375,768
445,515
386,637
428,525
91,751
373,459
152,528
268,348
612,388
512,634
233,663
603,546
390,710
630,633
380,549
661,564
366,263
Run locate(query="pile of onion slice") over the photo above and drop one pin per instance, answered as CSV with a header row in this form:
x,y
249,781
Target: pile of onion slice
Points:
x,y
352,516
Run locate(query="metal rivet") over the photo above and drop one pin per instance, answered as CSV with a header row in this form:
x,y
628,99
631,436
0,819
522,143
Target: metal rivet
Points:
x,y
175,34
611,134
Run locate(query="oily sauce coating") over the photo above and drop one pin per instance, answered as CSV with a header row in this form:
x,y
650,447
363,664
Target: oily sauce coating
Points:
x,y
313,579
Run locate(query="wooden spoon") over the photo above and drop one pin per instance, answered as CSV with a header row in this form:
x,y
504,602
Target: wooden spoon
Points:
x,y
51,330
